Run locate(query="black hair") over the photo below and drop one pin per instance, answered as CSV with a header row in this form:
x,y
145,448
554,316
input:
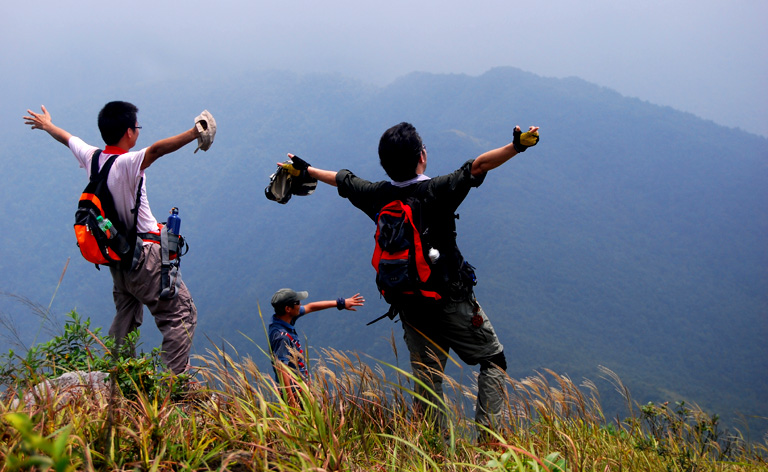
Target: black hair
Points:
x,y
115,119
280,308
399,151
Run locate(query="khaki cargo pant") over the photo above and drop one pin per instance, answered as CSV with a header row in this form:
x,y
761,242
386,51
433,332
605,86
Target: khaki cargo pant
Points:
x,y
175,318
431,333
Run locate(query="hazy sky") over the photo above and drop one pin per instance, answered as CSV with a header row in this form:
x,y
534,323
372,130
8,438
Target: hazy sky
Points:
x,y
701,56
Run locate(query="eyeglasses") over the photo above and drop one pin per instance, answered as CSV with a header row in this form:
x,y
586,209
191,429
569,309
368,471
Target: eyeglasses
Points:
x,y
136,127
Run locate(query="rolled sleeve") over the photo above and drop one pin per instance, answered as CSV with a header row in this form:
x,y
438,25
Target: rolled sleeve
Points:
x,y
348,183
363,194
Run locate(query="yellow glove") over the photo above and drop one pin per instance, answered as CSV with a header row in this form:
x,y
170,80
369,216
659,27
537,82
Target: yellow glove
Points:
x,y
523,141
295,166
291,170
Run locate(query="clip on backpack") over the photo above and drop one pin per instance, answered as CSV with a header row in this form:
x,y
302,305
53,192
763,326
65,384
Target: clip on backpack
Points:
x,y
172,247
114,243
402,269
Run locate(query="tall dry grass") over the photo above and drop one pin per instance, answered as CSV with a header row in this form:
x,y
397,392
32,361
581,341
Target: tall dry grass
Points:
x,y
356,415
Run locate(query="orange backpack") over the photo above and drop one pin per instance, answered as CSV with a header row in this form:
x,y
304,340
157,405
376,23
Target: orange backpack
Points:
x,y
101,236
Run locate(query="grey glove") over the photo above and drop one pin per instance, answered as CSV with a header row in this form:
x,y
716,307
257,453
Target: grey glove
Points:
x,y
206,126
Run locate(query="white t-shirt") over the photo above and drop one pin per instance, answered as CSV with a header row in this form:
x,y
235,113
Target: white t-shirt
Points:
x,y
122,182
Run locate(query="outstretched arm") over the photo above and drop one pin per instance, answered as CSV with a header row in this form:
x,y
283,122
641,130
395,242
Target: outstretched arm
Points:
x,y
43,121
326,176
496,157
348,304
167,146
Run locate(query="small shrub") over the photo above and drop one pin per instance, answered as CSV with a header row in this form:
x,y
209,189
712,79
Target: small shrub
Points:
x,y
81,349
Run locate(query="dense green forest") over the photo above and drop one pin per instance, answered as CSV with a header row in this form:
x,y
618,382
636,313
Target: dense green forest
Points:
x,y
632,237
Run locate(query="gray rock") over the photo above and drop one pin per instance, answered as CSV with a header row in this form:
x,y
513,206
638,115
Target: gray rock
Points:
x,y
66,388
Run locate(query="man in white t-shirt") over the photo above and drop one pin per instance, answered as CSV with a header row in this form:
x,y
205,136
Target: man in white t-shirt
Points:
x,y
141,285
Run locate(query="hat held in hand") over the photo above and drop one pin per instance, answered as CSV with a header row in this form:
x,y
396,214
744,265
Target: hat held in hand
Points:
x,y
206,126
290,178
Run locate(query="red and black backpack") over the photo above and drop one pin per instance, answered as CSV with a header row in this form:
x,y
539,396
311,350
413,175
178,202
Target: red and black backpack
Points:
x,y
404,271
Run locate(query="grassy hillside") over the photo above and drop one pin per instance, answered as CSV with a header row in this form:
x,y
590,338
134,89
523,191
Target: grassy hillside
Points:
x,y
352,415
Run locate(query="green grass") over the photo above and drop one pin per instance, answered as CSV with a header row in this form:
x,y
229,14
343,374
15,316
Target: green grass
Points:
x,y
355,415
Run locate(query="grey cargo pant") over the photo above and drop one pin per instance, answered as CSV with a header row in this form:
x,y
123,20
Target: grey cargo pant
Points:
x,y
176,318
430,333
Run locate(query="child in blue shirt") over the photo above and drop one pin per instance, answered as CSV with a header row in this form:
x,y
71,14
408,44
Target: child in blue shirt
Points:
x,y
284,340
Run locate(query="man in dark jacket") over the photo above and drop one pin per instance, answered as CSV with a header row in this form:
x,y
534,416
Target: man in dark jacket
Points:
x,y
457,322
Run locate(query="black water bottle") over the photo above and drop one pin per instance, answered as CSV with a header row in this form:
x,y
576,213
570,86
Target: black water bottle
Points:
x,y
174,221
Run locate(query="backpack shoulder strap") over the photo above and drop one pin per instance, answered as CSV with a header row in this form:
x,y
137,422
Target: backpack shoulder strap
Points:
x,y
95,164
130,231
100,174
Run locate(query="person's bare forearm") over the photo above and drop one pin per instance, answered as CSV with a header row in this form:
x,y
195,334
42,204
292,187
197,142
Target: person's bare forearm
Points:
x,y
317,306
349,303
325,176
493,159
496,157
60,135
167,146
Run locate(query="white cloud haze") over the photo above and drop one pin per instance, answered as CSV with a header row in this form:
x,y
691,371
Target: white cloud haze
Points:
x,y
705,57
